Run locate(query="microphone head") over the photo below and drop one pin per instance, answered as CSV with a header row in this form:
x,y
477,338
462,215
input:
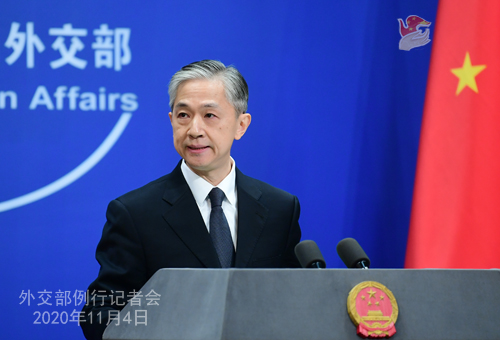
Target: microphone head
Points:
x,y
309,255
351,253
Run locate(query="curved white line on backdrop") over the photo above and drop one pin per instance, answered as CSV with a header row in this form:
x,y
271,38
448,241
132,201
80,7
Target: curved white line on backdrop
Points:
x,y
76,173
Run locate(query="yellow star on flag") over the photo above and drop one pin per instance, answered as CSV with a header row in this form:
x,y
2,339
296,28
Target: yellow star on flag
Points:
x,y
371,292
467,75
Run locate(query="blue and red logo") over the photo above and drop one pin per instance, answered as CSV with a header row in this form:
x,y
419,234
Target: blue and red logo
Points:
x,y
414,33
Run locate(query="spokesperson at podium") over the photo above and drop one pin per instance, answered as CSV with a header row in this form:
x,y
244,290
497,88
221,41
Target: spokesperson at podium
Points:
x,y
204,214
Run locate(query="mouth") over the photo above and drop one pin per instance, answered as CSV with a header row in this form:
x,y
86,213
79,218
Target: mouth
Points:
x,y
197,148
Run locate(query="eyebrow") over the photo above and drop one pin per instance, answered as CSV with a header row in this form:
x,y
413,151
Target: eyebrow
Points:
x,y
181,104
211,105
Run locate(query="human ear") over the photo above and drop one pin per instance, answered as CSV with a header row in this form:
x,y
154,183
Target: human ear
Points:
x,y
244,120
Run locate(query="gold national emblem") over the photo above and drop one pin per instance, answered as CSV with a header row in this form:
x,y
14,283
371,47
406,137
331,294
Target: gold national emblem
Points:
x,y
373,309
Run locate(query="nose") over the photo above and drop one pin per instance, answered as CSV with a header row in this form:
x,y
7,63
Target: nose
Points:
x,y
196,128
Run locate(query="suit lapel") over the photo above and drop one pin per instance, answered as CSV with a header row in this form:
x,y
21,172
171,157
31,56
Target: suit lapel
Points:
x,y
252,216
183,216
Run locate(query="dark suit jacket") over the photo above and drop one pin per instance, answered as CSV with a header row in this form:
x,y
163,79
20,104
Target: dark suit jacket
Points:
x,y
160,226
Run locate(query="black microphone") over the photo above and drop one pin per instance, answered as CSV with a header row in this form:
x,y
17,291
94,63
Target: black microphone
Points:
x,y
352,254
309,255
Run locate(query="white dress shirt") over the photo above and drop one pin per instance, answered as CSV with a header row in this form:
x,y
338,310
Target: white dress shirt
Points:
x,y
201,188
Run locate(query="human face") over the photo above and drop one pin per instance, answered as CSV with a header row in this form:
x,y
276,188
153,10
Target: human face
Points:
x,y
205,125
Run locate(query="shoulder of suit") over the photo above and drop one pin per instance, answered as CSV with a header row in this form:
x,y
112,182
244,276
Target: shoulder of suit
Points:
x,y
157,187
153,191
266,188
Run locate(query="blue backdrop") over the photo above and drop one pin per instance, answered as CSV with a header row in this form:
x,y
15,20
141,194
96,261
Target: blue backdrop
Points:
x,y
336,109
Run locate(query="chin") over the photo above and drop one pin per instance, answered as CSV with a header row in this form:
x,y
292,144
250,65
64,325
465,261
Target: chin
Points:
x,y
197,164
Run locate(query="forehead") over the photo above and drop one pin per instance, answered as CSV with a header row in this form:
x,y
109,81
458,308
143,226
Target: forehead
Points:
x,y
200,92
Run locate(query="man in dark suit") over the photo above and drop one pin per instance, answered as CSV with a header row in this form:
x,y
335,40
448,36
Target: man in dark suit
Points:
x,y
175,222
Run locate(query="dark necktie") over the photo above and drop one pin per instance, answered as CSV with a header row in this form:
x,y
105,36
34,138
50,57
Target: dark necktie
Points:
x,y
219,229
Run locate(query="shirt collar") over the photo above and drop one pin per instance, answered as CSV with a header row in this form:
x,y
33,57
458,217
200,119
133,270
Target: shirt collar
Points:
x,y
201,188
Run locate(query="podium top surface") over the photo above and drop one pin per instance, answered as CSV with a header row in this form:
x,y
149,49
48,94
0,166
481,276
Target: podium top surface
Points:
x,y
312,304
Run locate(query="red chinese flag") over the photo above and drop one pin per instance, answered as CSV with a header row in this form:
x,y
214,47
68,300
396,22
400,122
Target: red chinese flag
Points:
x,y
455,220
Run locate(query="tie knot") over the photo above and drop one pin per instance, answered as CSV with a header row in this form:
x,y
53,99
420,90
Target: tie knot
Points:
x,y
216,197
